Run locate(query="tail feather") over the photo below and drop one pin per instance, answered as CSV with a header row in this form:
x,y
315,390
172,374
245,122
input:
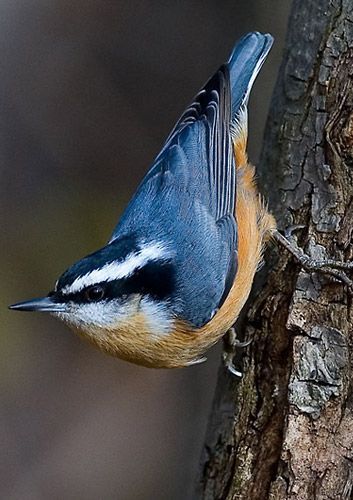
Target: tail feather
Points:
x,y
244,65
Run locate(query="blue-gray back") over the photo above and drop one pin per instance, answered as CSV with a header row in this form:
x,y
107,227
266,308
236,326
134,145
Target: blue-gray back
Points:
x,y
187,199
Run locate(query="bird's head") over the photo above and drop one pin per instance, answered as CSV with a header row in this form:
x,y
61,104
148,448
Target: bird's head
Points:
x,y
125,279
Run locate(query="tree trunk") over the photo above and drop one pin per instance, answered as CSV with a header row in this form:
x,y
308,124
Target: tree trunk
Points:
x,y
285,430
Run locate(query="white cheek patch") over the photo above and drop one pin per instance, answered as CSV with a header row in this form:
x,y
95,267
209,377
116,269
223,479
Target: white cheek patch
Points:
x,y
93,316
118,269
98,314
157,316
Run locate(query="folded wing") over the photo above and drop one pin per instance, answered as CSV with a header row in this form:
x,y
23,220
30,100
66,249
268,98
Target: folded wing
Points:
x,y
187,199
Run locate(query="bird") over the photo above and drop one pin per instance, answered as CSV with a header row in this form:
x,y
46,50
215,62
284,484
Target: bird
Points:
x,y
180,264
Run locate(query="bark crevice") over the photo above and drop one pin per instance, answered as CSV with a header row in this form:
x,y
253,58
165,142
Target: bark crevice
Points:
x,y
285,430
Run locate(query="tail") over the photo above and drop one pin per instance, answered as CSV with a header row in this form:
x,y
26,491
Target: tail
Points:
x,y
244,65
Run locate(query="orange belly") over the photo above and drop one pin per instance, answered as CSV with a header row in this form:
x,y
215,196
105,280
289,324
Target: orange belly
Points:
x,y
134,341
186,344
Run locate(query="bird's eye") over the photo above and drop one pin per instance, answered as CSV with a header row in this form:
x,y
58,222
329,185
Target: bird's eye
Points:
x,y
94,293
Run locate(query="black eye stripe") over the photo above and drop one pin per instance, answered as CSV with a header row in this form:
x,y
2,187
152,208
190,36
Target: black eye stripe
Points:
x,y
94,293
156,279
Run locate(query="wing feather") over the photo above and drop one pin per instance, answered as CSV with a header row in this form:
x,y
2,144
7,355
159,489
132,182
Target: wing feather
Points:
x,y
187,199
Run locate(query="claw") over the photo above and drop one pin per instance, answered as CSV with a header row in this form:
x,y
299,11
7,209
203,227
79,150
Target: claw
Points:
x,y
228,363
196,361
325,266
231,343
288,232
241,345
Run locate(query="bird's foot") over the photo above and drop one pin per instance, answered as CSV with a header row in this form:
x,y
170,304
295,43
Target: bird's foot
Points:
x,y
231,343
330,267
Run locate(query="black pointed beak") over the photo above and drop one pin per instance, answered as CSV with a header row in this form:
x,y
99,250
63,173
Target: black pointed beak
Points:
x,y
44,304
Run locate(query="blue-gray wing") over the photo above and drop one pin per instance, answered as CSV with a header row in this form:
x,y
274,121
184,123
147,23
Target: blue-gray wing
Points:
x,y
187,199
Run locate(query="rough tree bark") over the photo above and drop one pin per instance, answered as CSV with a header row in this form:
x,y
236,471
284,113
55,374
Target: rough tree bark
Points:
x,y
285,430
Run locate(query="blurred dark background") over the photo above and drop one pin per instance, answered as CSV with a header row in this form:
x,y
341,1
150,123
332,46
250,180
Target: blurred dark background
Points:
x,y
88,92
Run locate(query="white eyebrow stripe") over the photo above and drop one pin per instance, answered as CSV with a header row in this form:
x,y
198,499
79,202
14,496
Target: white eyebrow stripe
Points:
x,y
118,269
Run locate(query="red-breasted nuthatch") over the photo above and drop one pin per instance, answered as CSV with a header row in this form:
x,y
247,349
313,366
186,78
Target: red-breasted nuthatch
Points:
x,y
181,262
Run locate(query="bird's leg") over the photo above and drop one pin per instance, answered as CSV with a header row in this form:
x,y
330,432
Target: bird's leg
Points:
x,y
325,266
231,343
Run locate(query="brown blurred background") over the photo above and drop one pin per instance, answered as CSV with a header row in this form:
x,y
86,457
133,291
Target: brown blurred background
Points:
x,y
88,92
